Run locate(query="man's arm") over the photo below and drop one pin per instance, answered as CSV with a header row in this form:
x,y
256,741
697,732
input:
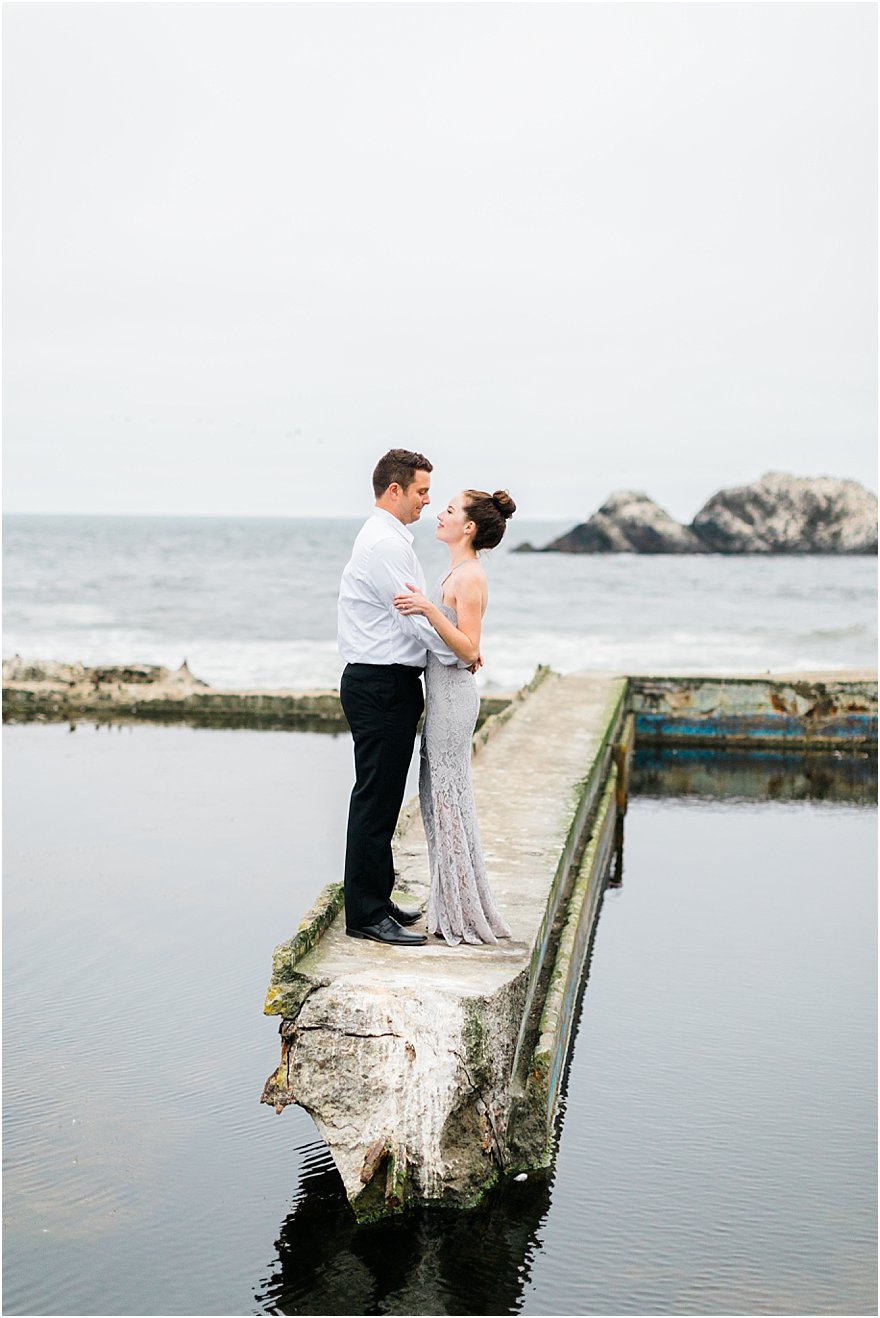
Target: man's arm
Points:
x,y
391,571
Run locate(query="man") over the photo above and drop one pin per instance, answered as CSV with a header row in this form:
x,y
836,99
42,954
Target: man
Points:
x,y
381,691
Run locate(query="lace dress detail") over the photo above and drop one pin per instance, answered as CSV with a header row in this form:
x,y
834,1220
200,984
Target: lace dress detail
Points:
x,y
460,903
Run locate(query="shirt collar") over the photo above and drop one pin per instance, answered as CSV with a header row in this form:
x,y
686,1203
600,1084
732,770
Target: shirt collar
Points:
x,y
398,525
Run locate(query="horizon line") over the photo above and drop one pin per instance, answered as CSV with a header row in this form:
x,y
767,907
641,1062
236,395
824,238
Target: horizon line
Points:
x,y
302,517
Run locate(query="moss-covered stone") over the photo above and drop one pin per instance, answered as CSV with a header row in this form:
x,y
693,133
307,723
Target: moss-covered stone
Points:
x,y
311,927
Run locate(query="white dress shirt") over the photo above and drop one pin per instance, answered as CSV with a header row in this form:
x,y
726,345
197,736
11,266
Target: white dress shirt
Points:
x,y
370,629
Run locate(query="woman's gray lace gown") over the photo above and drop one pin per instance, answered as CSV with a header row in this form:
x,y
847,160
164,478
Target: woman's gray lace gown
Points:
x,y
460,904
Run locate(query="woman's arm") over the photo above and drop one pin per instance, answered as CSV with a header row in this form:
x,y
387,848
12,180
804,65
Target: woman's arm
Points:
x,y
389,573
464,639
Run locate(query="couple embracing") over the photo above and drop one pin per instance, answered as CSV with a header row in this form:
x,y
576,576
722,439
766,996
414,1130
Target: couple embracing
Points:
x,y
390,633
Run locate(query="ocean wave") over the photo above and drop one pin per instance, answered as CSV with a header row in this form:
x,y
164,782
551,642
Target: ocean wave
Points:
x,y
510,658
252,604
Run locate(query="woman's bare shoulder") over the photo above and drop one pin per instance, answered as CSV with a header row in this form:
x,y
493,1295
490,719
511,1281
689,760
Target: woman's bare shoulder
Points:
x,y
470,575
469,584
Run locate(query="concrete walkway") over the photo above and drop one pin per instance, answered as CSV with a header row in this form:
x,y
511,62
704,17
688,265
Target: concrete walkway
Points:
x,y
406,1057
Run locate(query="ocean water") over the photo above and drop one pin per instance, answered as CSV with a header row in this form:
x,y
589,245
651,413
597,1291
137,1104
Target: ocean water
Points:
x,y
251,602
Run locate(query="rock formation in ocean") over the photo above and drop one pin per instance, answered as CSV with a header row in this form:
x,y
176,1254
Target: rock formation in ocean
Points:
x,y
779,514
629,522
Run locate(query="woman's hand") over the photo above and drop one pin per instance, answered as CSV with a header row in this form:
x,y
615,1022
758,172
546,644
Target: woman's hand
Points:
x,y
414,602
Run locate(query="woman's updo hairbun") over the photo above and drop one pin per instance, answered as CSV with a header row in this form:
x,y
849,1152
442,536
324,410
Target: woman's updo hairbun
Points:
x,y
490,513
504,503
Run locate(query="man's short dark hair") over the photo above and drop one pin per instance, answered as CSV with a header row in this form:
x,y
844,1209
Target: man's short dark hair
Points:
x,y
398,466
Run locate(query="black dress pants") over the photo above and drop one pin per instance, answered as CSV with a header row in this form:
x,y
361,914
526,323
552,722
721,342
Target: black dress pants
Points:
x,y
383,704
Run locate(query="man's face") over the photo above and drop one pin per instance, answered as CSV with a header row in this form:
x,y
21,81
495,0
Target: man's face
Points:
x,y
415,497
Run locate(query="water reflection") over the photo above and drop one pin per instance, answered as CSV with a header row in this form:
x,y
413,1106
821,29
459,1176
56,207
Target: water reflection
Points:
x,y
614,876
745,775
421,1263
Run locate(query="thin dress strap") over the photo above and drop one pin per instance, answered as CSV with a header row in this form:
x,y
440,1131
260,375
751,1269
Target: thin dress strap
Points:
x,y
444,581
453,569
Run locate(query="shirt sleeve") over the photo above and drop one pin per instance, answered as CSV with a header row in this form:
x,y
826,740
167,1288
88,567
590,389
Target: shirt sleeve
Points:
x,y
389,574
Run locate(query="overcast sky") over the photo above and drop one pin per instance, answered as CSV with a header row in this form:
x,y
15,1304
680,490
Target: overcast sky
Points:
x,y
564,248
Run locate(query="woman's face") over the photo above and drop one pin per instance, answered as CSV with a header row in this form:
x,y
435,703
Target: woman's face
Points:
x,y
453,524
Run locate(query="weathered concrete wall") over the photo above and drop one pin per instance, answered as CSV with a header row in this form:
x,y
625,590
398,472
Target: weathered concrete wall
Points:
x,y
816,711
410,1060
820,710
52,692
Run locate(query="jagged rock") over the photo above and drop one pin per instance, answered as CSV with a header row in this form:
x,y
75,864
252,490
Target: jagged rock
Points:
x,y
629,522
145,675
155,676
779,514
40,670
430,1122
782,514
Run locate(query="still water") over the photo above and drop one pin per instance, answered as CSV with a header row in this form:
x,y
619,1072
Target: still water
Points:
x,y
717,1152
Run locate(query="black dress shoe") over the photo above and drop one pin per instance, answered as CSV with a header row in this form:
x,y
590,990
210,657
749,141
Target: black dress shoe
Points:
x,y
403,917
388,931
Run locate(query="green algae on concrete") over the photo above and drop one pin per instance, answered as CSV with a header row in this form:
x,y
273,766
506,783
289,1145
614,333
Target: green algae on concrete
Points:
x,y
288,989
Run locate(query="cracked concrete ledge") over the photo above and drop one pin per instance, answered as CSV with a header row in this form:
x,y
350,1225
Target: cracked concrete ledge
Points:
x,y
405,1058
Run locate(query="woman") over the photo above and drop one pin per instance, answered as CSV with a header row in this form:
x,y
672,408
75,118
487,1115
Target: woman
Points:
x,y
460,904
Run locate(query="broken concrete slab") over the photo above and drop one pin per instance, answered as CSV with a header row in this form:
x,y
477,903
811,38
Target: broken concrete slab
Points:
x,y
407,1059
